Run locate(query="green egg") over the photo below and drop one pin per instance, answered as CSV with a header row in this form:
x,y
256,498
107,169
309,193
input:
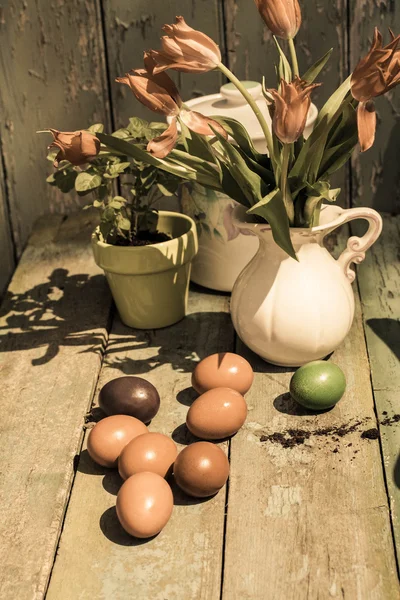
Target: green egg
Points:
x,y
318,385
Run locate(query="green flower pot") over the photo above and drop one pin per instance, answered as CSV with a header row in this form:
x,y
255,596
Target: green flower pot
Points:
x,y
150,284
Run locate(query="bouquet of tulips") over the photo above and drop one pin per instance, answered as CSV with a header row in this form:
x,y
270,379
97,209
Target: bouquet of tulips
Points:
x,y
286,186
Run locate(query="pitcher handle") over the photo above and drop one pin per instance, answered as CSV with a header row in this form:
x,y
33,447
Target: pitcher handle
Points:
x,y
357,246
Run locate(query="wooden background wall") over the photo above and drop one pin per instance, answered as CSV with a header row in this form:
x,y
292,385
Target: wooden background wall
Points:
x,y
59,59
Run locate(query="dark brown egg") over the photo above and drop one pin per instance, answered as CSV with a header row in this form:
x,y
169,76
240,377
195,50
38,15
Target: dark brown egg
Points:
x,y
131,396
153,452
223,370
144,504
217,414
110,435
201,469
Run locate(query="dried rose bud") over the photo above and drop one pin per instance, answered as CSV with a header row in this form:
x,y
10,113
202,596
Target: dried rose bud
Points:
x,y
185,49
282,17
290,109
78,147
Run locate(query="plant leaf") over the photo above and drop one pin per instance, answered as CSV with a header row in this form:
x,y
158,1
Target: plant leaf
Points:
x,y
312,73
97,127
285,71
211,180
332,105
250,183
85,182
272,209
239,133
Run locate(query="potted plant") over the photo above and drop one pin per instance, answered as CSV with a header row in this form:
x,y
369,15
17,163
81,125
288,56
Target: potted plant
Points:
x,y
293,302
146,253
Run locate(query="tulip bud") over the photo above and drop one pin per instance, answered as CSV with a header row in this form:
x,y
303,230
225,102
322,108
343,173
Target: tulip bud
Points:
x,y
78,147
290,109
282,17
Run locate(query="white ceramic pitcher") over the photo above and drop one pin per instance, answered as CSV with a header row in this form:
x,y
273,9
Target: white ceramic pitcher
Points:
x,y
291,312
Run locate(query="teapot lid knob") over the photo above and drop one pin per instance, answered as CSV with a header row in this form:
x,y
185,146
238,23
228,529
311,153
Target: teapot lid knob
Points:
x,y
232,95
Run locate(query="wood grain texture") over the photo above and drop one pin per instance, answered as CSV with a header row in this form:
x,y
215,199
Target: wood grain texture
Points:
x,y
52,75
7,262
252,53
52,334
96,559
376,174
309,521
379,283
132,27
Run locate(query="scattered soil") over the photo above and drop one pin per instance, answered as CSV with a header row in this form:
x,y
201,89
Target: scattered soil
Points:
x,y
146,238
390,420
295,437
370,434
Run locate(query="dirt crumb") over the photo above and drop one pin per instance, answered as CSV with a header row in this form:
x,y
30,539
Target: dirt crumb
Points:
x,y
370,434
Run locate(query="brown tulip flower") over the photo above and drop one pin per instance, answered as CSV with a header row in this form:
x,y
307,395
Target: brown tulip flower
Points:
x,y
282,17
375,74
78,147
185,49
159,93
290,108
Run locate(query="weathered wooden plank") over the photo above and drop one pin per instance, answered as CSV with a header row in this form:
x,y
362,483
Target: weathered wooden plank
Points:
x,y
52,334
132,27
96,559
311,520
252,53
52,75
7,262
379,284
376,174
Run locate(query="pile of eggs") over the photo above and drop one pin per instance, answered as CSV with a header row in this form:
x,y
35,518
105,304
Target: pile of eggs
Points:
x,y
146,460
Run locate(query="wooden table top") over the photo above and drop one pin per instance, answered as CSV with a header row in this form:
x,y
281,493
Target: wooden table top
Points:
x,y
310,513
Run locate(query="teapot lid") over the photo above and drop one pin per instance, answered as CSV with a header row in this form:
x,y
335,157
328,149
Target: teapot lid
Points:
x,y
230,103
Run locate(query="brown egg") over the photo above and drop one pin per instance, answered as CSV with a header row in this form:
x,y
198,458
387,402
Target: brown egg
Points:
x,y
144,504
110,435
217,414
201,469
223,370
153,452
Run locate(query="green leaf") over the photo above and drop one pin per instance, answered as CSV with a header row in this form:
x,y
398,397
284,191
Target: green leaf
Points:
x,y
231,187
85,182
97,127
98,204
285,71
250,183
272,209
115,204
239,133
312,73
333,103
195,144
123,134
137,127
168,187
123,223
335,158
183,171
64,179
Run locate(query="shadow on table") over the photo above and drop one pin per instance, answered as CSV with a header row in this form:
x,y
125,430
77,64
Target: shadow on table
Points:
x,y
62,311
389,332
113,530
181,345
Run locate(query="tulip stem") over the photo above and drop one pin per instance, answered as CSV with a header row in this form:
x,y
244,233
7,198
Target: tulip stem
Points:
x,y
287,199
293,56
254,106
